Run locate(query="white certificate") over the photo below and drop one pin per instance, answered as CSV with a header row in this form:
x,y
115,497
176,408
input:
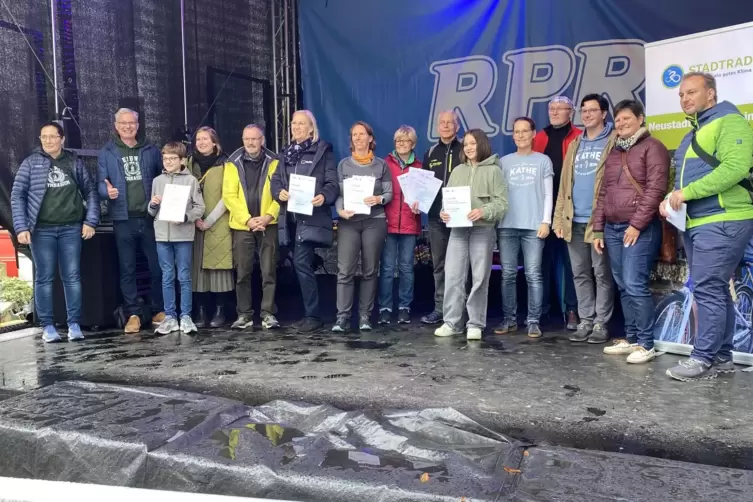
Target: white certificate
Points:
x,y
424,190
174,203
301,193
407,187
356,189
677,218
456,201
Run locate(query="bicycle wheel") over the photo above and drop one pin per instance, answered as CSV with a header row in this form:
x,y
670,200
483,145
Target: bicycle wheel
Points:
x,y
743,339
668,316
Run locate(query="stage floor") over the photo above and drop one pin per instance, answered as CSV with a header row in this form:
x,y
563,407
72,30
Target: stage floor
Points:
x,y
548,391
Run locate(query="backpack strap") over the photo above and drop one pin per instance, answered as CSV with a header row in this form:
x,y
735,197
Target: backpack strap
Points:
x,y
626,170
701,153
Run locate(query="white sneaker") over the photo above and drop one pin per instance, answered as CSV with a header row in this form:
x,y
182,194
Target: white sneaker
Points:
x,y
473,334
641,355
445,330
621,348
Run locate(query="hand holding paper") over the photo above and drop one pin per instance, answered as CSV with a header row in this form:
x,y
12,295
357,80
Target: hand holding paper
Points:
x,y
301,195
457,204
174,203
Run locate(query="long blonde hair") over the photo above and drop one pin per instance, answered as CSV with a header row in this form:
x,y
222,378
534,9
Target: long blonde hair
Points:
x,y
213,135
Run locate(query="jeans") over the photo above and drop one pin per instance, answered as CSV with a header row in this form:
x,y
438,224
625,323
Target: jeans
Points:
x,y
439,236
172,255
52,247
556,271
511,240
245,246
304,254
129,236
472,245
595,305
631,267
364,238
398,248
714,250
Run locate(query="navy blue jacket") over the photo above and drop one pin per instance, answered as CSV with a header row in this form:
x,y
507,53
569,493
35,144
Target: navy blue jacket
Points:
x,y
110,167
317,161
30,185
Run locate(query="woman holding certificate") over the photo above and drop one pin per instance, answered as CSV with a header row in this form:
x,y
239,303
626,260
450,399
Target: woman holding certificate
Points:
x,y
365,188
473,201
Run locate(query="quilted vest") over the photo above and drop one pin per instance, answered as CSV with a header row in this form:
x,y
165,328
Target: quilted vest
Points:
x,y
218,242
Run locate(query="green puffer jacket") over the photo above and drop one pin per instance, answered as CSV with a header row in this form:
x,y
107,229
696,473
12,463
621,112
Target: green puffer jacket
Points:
x,y
218,243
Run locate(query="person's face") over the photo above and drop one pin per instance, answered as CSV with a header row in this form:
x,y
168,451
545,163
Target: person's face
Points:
x,y
301,128
204,143
172,162
626,123
403,145
360,138
470,148
694,96
252,141
559,113
52,142
522,134
591,114
447,126
127,125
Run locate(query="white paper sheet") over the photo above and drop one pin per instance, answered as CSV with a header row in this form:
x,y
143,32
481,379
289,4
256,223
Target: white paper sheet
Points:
x,y
301,193
677,218
419,185
457,203
174,203
355,190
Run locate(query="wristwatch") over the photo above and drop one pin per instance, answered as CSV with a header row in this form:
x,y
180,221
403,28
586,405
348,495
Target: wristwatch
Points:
x,y
381,200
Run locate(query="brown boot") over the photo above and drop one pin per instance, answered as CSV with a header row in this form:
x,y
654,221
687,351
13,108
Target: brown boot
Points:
x,y
133,325
158,318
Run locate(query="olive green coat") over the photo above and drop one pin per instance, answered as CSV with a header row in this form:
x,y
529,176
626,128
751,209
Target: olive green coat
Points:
x,y
218,243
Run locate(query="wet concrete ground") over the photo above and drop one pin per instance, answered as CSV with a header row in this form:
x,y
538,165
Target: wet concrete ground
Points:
x,y
546,390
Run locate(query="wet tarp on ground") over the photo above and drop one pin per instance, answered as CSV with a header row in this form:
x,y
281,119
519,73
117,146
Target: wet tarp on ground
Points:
x,y
164,439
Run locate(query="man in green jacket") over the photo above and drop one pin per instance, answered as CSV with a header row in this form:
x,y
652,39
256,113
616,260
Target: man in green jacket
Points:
x,y
712,161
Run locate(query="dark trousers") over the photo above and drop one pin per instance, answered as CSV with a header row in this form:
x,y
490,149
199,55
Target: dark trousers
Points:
x,y
364,238
303,262
245,246
439,237
557,271
714,250
129,236
631,268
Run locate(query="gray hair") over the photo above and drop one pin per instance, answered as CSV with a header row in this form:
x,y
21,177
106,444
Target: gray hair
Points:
x,y
454,116
260,129
709,81
312,119
126,110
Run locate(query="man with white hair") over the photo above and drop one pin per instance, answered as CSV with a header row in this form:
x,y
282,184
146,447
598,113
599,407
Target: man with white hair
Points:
x,y
126,170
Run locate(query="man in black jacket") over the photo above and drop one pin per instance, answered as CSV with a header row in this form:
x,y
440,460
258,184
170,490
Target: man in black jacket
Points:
x,y
441,158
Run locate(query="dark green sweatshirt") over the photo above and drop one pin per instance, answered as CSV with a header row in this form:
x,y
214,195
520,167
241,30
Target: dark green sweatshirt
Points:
x,y
135,193
62,203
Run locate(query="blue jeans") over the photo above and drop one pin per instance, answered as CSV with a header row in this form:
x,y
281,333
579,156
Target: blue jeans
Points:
x,y
714,250
631,268
130,235
510,241
172,255
51,246
557,272
304,254
398,248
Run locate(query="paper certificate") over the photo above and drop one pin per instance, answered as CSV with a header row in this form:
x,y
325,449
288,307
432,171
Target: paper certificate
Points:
x,y
301,193
677,218
457,203
356,189
174,203
424,189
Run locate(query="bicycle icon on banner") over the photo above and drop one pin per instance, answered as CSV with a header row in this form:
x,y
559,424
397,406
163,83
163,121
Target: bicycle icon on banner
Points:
x,y
672,76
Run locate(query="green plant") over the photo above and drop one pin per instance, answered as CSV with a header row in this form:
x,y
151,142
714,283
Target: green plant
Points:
x,y
15,291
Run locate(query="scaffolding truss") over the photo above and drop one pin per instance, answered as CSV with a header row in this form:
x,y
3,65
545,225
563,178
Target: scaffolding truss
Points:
x,y
284,67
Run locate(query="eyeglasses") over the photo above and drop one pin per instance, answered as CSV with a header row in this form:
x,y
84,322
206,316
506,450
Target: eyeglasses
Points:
x,y
170,158
50,138
589,111
130,124
402,141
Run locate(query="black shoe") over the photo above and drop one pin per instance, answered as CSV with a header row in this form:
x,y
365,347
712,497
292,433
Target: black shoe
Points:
x,y
309,325
571,321
385,316
433,318
403,317
200,319
342,324
365,323
218,320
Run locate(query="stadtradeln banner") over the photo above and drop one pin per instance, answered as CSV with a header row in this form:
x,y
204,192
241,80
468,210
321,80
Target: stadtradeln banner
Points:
x,y
726,53
393,62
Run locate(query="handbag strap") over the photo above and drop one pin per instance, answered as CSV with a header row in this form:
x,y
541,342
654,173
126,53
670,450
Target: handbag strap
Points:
x,y
626,170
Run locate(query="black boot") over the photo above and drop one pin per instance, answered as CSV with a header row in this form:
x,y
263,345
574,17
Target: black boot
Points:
x,y
200,320
218,320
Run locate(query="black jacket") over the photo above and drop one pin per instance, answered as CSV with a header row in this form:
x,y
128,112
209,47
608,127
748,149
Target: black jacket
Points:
x,y
317,161
442,159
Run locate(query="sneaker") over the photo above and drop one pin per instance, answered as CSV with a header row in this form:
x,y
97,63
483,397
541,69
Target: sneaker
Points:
x,y
158,318
473,334
507,326
133,325
445,330
533,330
582,333
689,370
365,323
50,334
571,320
187,325
74,332
723,366
169,325
243,322
341,325
385,316
309,325
641,355
268,321
433,318
620,347
403,316
599,334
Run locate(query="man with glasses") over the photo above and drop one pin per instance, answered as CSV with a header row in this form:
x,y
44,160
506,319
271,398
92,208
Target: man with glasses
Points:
x,y
126,170
553,141
582,173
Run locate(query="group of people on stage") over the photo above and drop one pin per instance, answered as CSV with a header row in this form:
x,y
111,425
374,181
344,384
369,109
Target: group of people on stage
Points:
x,y
591,200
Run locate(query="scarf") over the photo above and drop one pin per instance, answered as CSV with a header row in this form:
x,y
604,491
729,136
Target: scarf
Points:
x,y
403,164
365,160
294,151
626,144
206,161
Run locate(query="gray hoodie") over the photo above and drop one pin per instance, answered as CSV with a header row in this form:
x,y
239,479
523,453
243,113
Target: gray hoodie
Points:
x,y
177,232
